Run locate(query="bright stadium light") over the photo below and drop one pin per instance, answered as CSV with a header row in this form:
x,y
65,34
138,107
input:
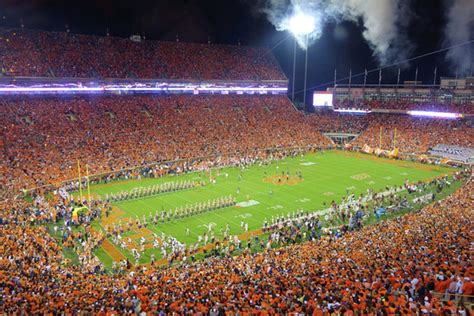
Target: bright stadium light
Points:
x,y
131,88
435,114
357,111
302,24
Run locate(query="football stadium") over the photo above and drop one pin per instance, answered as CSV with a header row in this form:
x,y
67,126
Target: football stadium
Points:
x,y
154,175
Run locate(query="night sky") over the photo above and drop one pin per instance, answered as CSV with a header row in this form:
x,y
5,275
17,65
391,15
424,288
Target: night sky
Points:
x,y
231,21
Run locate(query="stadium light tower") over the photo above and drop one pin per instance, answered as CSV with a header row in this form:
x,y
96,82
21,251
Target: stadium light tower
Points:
x,y
301,25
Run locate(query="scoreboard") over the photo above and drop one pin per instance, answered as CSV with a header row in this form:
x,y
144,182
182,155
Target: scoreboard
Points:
x,y
322,99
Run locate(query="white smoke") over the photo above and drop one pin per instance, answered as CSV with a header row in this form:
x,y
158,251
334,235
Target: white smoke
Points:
x,y
460,29
383,21
280,12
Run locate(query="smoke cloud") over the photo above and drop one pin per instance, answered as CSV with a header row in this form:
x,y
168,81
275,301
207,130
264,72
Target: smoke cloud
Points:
x,y
383,21
460,29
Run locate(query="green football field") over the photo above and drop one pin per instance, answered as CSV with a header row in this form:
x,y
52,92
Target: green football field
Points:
x,y
326,176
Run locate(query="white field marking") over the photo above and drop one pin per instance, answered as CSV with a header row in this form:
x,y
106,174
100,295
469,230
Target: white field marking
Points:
x,y
304,200
403,174
388,178
360,176
276,207
247,203
328,193
351,188
370,182
211,225
307,163
246,215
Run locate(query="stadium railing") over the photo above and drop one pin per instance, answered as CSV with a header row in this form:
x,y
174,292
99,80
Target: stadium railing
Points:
x,y
456,298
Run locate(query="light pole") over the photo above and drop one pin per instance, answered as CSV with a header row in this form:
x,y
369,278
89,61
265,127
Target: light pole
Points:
x,y
301,25
305,71
294,73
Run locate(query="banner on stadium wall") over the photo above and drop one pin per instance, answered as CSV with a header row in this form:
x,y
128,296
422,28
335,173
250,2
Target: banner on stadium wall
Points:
x,y
381,152
393,153
446,161
367,149
423,158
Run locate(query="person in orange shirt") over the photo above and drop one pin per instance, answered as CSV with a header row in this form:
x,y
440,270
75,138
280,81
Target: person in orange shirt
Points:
x,y
468,287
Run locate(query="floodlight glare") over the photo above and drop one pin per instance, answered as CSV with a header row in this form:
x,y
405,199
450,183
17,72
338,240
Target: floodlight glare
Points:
x,y
302,24
435,114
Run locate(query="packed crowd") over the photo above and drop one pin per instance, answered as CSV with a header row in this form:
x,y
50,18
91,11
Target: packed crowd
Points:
x,y
467,108
113,133
356,271
414,135
388,131
333,122
458,153
118,133
353,270
60,54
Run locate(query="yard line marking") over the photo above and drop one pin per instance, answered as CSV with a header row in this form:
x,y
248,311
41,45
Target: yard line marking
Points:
x,y
244,216
276,207
360,176
247,203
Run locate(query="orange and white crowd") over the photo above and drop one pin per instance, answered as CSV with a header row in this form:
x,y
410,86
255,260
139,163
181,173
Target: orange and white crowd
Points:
x,y
395,267
113,133
414,135
44,137
34,53
412,265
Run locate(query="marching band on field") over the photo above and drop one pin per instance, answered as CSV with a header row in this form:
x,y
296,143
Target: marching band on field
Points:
x,y
182,212
153,190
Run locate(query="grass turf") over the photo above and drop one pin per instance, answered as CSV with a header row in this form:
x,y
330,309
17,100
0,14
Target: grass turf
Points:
x,y
327,176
